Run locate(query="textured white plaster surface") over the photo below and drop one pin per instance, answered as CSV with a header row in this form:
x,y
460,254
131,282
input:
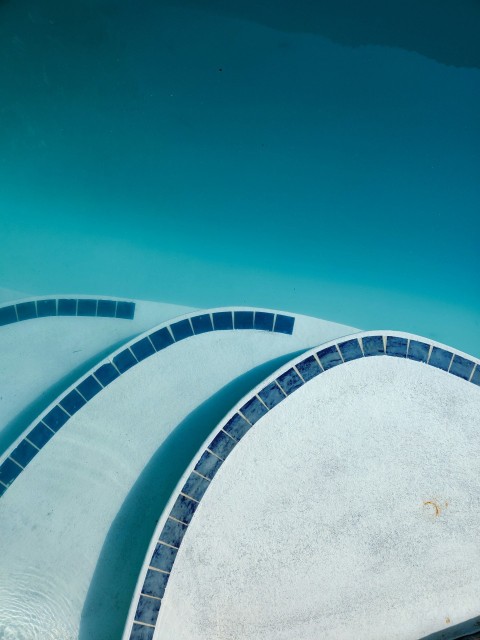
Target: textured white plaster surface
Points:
x,y
38,354
350,511
55,516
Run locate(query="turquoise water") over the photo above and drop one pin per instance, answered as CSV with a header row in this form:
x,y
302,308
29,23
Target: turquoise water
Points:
x,y
220,153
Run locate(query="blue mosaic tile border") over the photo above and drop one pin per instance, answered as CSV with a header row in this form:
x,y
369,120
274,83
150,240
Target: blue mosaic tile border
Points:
x,y
189,497
82,307
105,373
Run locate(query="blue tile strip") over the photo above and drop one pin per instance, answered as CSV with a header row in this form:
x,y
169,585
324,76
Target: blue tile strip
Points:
x,y
141,632
222,320
373,345
40,435
243,319
222,445
181,330
147,609
26,310
418,351
461,367
202,324
289,381
24,453
284,324
440,358
163,559
8,315
195,486
66,307
271,395
329,357
350,350
264,321
156,581
309,368
87,307
397,346
46,308
237,426
255,408
9,471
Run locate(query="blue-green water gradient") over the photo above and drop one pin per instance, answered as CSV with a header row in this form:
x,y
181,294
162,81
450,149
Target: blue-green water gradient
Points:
x,y
158,150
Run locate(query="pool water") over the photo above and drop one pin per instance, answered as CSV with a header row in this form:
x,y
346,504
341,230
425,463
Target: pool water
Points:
x,y
321,158
294,156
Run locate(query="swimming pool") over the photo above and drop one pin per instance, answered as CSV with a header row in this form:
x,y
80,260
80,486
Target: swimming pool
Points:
x,y
255,154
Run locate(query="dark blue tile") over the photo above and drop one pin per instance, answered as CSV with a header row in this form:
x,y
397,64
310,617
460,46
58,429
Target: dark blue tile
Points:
x,y
155,581
253,410
163,558
23,453
147,610
202,324
289,381
195,486
106,374
124,360
181,330
264,321
72,402
373,346
183,509
462,367
284,324
106,308
9,471
56,418
46,308
26,311
397,346
40,435
3,488
237,426
476,376
222,320
87,307
329,357
271,395
161,339
309,368
418,351
67,307
173,532
7,315
243,319
440,358
125,310
142,349
140,632
208,465
351,350
222,445
89,387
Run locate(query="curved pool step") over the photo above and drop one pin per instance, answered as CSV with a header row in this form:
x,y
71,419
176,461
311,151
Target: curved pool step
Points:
x,y
174,522
55,417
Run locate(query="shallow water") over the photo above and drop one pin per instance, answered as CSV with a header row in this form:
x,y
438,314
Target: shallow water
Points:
x,y
222,156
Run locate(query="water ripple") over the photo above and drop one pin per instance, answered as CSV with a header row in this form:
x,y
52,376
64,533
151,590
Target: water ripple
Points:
x,y
43,612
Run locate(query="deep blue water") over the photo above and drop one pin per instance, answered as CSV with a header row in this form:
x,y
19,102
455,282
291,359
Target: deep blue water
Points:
x,y
211,153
